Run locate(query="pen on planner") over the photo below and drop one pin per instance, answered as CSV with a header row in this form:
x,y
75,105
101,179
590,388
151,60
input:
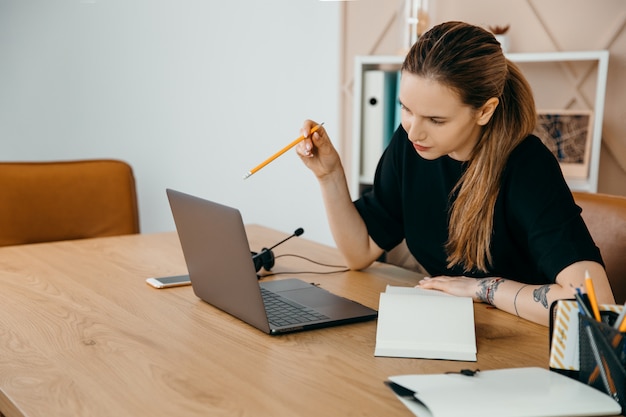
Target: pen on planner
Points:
x,y
591,294
279,153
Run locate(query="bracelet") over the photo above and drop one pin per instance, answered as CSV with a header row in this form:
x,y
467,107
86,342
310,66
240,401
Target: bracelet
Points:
x,y
515,299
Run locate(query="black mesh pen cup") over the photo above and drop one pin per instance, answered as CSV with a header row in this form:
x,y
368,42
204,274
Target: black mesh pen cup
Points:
x,y
603,357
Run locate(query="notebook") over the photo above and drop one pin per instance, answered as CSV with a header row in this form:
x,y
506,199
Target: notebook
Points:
x,y
418,323
222,273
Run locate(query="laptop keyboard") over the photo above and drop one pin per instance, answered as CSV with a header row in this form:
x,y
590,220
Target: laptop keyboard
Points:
x,y
284,312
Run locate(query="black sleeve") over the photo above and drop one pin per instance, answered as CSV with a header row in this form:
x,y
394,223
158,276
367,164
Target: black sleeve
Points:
x,y
381,207
540,204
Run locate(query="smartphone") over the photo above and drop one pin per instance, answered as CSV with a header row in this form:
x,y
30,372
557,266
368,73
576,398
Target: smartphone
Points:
x,y
167,282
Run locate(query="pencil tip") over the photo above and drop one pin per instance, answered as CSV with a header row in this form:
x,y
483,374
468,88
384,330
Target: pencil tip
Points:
x,y
247,174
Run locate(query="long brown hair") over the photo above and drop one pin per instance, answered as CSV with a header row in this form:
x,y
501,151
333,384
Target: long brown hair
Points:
x,y
469,60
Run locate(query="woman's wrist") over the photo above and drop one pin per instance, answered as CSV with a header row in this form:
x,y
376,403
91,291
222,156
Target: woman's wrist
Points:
x,y
487,288
336,177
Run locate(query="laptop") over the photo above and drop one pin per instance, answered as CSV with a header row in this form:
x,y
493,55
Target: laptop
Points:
x,y
222,273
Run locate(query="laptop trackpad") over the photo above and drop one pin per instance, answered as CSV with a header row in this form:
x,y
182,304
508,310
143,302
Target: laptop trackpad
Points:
x,y
310,297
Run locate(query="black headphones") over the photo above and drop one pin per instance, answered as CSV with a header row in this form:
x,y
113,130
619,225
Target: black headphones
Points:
x,y
263,259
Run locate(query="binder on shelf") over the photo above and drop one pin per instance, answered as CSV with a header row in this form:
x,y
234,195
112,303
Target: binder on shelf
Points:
x,y
397,117
378,108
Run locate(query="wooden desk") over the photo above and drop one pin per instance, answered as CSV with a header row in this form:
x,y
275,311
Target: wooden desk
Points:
x,y
81,334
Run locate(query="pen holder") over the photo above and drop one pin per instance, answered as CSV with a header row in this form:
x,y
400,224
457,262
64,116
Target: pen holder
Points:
x,y
602,357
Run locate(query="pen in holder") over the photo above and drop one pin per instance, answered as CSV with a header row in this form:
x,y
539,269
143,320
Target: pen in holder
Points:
x,y
602,356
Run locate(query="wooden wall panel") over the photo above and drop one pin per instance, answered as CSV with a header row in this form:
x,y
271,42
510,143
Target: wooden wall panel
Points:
x,y
374,27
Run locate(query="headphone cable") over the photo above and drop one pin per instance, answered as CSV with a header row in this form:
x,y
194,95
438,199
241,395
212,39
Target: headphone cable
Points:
x,y
343,267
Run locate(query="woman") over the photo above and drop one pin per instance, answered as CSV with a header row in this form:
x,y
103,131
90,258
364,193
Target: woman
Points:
x,y
481,202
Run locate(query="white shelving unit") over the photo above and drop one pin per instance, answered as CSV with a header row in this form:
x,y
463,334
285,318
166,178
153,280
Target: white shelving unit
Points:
x,y
363,64
393,63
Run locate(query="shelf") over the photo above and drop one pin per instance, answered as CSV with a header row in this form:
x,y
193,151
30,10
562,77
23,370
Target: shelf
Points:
x,y
393,63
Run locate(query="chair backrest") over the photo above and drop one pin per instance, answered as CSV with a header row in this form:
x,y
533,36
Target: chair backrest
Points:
x,y
50,201
605,216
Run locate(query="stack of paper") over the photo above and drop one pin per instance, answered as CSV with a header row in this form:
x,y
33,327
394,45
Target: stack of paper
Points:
x,y
417,323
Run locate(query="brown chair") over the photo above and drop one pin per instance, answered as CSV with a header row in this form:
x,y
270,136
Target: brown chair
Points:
x,y
51,201
605,216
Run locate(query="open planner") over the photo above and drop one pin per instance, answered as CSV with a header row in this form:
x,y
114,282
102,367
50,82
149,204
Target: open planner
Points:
x,y
515,392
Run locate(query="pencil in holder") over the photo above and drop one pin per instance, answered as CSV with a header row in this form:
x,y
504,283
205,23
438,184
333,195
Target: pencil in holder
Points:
x,y
603,358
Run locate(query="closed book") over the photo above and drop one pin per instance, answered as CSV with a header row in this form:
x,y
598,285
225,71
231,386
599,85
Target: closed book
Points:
x,y
417,323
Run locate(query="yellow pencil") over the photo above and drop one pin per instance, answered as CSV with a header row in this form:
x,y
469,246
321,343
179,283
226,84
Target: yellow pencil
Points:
x,y
591,294
279,153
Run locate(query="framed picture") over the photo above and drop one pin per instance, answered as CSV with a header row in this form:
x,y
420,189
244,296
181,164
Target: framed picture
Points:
x,y
568,134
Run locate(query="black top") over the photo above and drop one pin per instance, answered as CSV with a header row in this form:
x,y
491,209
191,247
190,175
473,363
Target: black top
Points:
x,y
538,230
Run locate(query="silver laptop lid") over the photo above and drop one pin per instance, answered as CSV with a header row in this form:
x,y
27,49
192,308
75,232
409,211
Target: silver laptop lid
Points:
x,y
217,253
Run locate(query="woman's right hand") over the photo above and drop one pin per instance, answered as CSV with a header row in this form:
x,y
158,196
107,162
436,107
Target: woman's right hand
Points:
x,y
348,228
317,151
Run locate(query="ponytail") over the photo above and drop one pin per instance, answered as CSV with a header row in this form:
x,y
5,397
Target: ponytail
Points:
x,y
471,218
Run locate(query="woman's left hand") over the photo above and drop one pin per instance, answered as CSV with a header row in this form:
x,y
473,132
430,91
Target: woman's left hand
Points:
x,y
459,286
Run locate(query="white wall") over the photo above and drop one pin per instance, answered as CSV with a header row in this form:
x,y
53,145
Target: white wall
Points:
x,y
192,93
